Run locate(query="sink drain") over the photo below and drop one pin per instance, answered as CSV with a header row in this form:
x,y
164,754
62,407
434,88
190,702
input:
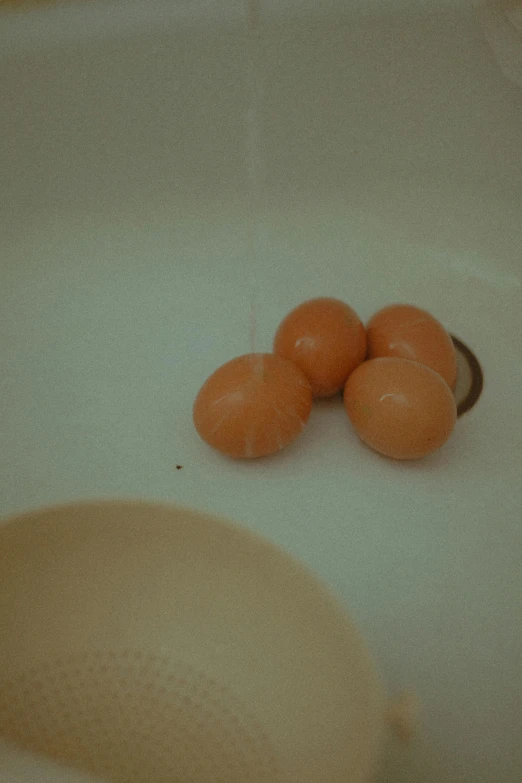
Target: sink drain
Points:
x,y
470,379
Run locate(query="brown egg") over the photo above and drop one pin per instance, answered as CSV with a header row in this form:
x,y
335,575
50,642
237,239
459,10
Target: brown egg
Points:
x,y
326,339
411,333
400,408
253,405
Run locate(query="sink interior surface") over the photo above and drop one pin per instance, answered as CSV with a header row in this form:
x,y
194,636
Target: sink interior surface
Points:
x,y
392,154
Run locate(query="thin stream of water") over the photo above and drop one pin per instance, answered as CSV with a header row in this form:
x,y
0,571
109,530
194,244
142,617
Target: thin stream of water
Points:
x,y
255,167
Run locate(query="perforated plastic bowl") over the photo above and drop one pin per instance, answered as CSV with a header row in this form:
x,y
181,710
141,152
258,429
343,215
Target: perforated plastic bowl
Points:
x,y
143,643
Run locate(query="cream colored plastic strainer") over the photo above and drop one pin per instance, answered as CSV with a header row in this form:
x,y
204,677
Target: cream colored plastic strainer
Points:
x,y
151,644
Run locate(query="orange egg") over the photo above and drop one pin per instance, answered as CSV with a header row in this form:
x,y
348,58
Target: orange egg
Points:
x,y
411,333
400,408
253,406
326,339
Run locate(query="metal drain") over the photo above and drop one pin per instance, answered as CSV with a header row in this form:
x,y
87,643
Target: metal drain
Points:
x,y
470,378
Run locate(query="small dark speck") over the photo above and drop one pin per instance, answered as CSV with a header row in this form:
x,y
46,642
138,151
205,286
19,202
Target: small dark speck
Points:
x,y
178,467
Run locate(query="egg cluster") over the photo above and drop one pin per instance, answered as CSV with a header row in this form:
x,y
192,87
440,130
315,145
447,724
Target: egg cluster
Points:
x,y
396,375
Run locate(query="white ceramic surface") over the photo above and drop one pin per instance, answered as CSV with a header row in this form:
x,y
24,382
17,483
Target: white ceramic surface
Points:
x,y
393,152
20,767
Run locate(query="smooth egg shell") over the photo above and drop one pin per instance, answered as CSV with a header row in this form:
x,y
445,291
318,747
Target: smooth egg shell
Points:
x,y
400,408
325,338
407,332
253,406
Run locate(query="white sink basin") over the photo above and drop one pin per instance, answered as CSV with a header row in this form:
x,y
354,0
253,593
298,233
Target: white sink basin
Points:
x,y
393,160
